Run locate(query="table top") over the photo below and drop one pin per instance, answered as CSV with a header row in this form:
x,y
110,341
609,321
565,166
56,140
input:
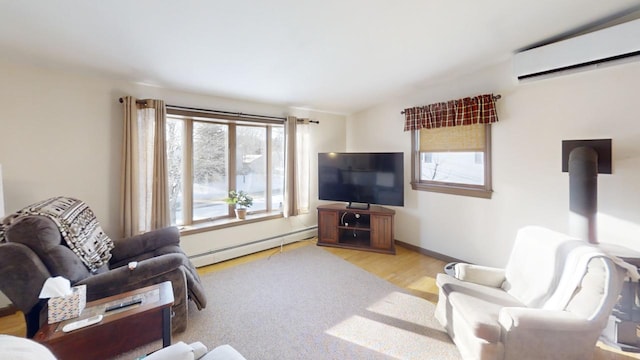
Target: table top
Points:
x,y
152,298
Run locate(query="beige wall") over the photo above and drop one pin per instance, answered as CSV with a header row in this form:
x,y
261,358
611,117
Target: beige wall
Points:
x,y
61,135
529,187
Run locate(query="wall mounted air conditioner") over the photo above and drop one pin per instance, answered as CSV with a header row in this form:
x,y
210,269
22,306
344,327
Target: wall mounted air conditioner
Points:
x,y
610,45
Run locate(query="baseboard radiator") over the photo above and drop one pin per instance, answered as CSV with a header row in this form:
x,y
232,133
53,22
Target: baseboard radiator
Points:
x,y
218,255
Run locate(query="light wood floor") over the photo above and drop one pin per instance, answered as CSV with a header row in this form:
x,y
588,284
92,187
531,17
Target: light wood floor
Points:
x,y
407,269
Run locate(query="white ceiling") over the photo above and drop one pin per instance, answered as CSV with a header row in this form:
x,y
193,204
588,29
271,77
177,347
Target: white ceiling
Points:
x,y
337,56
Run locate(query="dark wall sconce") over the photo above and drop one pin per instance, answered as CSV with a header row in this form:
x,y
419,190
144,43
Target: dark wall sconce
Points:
x,y
601,146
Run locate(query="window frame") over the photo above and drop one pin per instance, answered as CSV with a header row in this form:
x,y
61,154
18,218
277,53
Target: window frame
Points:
x,y
481,191
232,121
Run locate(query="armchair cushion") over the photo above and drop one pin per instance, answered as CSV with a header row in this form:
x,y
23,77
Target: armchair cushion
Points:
x,y
479,305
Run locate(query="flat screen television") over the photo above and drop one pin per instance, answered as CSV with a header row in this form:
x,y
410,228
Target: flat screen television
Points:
x,y
362,179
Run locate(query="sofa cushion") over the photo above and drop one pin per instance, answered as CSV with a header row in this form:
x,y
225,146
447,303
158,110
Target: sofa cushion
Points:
x,y
478,305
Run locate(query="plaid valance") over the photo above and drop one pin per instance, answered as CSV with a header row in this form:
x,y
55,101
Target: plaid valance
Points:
x,y
480,109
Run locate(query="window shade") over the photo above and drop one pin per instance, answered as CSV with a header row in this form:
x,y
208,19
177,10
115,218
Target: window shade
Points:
x,y
456,138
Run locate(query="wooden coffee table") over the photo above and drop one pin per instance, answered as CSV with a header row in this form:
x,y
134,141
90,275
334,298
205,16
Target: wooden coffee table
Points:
x,y
119,331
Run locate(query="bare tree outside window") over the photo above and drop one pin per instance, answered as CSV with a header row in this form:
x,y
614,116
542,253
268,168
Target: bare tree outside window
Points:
x,y
210,169
174,142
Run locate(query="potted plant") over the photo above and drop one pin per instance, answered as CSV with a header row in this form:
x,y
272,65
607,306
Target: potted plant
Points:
x,y
241,200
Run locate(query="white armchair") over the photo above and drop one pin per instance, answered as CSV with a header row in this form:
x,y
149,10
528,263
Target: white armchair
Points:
x,y
551,301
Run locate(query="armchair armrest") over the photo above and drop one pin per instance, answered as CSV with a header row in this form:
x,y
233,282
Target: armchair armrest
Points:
x,y
22,275
530,319
143,243
123,279
482,275
529,333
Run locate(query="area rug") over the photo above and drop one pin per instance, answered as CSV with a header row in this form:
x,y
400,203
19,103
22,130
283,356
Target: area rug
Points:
x,y
309,304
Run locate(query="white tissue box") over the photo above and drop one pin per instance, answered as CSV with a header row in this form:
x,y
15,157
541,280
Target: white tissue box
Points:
x,y
67,307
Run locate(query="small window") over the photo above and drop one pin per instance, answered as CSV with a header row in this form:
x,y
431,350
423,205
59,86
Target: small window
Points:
x,y
453,160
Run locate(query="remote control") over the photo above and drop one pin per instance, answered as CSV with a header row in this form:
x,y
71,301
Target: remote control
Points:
x,y
123,305
82,323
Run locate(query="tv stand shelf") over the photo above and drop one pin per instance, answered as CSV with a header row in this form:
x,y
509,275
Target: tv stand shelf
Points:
x,y
363,229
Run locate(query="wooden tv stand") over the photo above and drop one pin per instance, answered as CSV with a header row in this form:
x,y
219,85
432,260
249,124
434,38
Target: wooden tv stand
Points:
x,y
363,229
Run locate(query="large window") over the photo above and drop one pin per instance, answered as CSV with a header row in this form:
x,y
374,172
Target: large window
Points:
x,y
209,155
453,160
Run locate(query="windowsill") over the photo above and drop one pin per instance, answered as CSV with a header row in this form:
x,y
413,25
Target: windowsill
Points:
x,y
473,191
218,224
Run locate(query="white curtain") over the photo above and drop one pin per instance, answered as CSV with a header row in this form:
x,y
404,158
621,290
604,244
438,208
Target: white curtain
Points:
x,y
145,201
297,163
302,175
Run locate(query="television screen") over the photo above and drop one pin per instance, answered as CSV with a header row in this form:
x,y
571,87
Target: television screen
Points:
x,y
363,178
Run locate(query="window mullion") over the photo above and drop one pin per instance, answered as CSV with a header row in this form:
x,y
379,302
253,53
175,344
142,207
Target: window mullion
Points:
x,y
269,172
231,166
187,207
487,158
415,156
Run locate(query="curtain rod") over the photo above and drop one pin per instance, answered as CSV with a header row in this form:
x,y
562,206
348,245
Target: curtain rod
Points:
x,y
495,97
239,114
225,112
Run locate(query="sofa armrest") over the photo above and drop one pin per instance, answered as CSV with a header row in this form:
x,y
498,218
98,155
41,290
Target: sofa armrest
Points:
x,y
143,243
482,275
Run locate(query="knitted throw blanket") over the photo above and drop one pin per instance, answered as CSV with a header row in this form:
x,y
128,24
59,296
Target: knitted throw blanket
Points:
x,y
78,226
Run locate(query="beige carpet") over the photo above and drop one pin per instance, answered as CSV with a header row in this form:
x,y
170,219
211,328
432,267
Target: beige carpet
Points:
x,y
309,304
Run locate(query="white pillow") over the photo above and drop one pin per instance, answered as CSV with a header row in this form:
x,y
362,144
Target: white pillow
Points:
x,y
17,348
223,352
177,351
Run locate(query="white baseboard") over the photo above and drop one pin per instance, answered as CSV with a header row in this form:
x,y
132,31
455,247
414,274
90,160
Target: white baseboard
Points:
x,y
219,255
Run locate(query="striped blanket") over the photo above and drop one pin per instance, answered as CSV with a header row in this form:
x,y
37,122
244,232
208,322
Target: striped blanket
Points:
x,y
78,226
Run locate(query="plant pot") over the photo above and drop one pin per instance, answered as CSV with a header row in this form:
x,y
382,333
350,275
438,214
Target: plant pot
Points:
x,y
241,214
